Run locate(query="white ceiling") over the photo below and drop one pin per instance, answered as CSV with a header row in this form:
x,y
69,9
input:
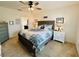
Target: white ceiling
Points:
x,y
10,4
43,4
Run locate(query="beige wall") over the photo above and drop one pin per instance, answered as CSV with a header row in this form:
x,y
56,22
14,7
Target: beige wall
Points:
x,y
7,15
23,22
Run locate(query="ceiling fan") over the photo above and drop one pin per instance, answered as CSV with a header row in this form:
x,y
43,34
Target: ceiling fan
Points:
x,y
31,5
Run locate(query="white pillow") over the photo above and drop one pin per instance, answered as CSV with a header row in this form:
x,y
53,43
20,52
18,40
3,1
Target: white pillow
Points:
x,y
48,27
39,27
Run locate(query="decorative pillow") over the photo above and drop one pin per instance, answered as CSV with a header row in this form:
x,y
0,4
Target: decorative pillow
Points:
x,y
41,27
48,27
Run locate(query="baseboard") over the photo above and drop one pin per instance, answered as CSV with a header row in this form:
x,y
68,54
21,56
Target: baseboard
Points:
x,y
13,37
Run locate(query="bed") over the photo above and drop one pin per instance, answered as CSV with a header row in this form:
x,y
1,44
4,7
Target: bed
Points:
x,y
35,39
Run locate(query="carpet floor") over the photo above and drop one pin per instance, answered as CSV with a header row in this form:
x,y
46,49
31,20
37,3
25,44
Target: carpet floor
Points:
x,y
13,48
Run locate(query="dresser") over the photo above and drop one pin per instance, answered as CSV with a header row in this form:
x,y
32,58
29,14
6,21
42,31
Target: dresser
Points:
x,y
59,36
3,32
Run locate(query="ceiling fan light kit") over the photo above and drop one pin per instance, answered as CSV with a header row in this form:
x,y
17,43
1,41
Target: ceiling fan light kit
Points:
x,y
32,5
30,9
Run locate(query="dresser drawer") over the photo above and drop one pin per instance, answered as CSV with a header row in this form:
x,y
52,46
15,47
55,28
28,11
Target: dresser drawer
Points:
x,y
3,25
3,32
3,38
3,29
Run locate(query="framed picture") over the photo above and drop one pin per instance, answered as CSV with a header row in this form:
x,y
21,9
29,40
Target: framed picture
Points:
x,y
60,20
11,22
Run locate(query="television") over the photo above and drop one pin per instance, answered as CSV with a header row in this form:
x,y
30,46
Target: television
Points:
x,y
25,27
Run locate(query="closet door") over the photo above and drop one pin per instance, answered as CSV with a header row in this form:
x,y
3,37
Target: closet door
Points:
x,y
3,32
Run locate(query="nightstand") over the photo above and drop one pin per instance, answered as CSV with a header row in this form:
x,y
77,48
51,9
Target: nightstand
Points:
x,y
59,36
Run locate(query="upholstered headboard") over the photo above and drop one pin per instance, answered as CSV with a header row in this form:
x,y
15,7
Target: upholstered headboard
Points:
x,y
47,23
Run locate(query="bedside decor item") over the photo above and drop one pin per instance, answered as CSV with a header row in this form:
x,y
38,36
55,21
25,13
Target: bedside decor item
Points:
x,y
59,23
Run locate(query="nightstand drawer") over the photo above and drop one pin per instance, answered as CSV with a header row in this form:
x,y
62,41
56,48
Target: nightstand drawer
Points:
x,y
59,36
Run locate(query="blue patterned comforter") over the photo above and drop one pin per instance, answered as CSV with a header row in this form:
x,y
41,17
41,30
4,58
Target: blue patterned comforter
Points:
x,y
38,37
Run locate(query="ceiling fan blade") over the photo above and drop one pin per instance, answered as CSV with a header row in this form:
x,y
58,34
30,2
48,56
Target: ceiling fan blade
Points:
x,y
19,9
22,2
36,3
39,8
23,10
